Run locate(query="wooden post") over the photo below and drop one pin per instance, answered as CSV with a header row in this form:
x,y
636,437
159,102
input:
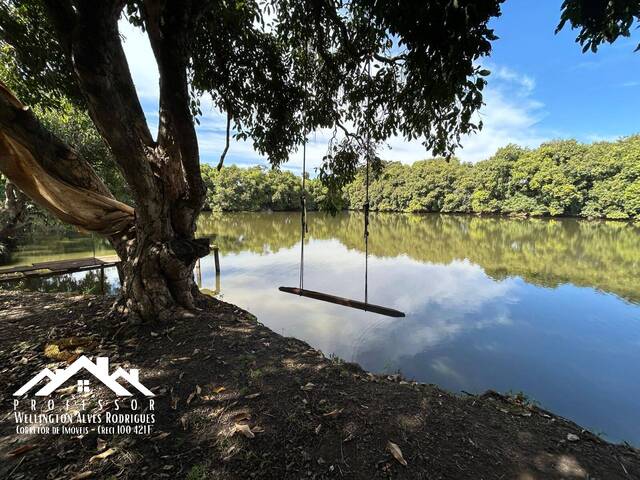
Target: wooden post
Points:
x,y
199,273
216,258
102,280
217,283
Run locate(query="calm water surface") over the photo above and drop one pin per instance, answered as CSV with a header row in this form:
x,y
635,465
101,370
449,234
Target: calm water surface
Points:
x,y
546,307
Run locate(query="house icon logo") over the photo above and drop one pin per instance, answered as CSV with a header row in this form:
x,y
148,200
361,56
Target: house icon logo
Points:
x,y
99,369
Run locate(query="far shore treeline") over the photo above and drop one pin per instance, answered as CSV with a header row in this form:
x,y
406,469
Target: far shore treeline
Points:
x,y
559,178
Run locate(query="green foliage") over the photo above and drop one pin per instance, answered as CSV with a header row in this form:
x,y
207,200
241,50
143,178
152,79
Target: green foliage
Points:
x,y
74,127
560,178
32,62
600,21
234,189
281,69
197,472
601,180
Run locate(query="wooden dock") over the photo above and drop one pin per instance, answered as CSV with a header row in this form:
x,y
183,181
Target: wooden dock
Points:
x,y
62,267
58,267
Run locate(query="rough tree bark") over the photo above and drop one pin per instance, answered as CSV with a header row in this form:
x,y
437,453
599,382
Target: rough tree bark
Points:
x,y
160,250
12,216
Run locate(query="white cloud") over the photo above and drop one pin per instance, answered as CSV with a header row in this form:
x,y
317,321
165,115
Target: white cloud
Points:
x,y
511,115
460,298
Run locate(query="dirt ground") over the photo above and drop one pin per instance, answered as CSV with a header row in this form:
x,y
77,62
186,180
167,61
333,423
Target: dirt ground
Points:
x,y
235,400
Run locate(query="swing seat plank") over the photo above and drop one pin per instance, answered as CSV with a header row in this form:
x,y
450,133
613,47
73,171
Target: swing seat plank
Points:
x,y
347,302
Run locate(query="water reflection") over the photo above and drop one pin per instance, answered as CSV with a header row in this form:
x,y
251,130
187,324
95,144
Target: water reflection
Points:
x,y
490,303
88,282
545,252
547,307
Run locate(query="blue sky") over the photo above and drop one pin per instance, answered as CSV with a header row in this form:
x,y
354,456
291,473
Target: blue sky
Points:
x,y
542,87
587,96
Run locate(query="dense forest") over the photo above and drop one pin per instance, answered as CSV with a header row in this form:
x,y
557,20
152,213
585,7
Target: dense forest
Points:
x,y
599,180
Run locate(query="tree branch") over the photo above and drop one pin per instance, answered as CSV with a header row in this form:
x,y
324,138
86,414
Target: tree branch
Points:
x,y
19,122
226,146
90,31
390,60
49,172
169,37
63,17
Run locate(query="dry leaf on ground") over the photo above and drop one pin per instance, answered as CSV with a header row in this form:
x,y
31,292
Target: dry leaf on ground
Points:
x,y
333,413
82,475
21,450
103,455
244,429
396,452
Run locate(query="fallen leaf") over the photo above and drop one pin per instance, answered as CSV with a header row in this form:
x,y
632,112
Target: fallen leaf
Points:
x,y
244,429
198,389
318,428
103,455
253,395
309,386
257,429
238,417
219,389
160,436
333,413
396,452
82,475
66,390
101,444
191,397
21,450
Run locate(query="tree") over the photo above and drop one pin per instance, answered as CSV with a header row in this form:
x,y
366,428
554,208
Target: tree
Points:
x,y
278,69
599,21
12,213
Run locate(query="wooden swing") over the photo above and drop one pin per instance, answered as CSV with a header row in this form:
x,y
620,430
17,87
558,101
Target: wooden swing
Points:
x,y
325,297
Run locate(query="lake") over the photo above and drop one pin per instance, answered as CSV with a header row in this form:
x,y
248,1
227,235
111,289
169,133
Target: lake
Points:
x,y
540,306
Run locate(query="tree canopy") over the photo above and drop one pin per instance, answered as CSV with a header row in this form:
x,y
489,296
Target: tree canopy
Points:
x,y
278,69
600,21
281,69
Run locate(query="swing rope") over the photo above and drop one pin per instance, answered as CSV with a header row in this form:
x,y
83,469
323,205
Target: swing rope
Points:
x,y
325,297
303,203
303,213
366,202
303,196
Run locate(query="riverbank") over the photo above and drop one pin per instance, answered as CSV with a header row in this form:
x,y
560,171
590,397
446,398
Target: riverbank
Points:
x,y
236,400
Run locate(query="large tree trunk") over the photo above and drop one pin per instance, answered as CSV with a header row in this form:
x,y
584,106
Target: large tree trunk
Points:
x,y
12,216
156,244
13,212
158,281
159,253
